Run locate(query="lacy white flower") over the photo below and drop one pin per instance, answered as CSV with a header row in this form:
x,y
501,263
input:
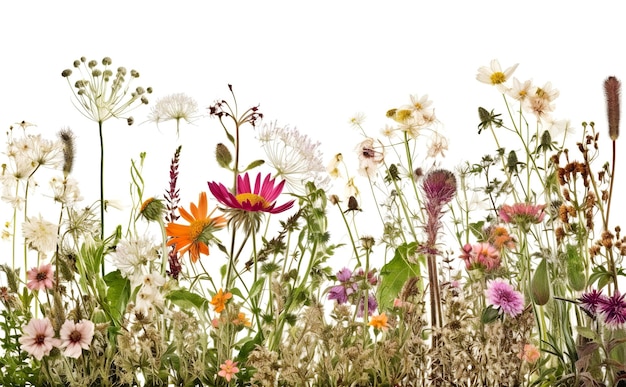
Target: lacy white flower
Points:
x,y
65,191
176,107
40,234
294,156
133,256
37,151
437,144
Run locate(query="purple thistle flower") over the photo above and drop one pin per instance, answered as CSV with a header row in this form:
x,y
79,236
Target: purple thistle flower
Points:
x,y
439,187
589,302
612,310
502,295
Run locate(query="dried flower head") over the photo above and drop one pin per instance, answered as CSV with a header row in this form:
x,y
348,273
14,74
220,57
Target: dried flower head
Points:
x,y
612,92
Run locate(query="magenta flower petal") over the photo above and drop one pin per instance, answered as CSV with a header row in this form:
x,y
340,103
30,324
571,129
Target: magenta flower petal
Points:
x,y
260,199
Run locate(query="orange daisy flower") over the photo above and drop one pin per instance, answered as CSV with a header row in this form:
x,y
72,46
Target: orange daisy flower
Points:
x,y
195,237
379,322
219,300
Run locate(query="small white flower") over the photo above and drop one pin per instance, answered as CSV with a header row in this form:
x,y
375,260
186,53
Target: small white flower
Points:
x,y
133,257
40,234
493,75
65,191
175,107
294,156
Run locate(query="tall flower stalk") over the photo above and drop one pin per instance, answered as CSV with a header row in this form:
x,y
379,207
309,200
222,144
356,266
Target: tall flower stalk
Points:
x,y
100,95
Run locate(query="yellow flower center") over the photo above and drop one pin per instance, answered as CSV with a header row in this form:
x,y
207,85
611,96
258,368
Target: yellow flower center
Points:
x,y
498,77
252,198
197,227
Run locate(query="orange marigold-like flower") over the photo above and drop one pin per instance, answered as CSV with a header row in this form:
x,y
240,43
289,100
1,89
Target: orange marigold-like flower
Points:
x,y
195,237
219,300
499,236
379,322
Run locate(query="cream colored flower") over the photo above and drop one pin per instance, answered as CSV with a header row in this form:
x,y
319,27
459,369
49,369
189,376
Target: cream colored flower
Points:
x,y
437,145
520,91
493,75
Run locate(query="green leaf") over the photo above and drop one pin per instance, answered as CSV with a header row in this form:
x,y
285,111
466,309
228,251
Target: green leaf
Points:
x,y
587,333
186,300
540,284
118,291
395,273
254,164
257,287
575,268
489,315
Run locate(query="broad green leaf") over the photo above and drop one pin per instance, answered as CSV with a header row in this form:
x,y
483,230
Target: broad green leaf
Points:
x,y
540,284
186,300
118,291
575,268
395,273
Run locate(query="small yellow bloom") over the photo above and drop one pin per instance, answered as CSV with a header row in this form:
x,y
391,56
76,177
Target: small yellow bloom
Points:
x,y
379,322
219,300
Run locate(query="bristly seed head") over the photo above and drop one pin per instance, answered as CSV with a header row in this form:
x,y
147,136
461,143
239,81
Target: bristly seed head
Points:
x,y
612,91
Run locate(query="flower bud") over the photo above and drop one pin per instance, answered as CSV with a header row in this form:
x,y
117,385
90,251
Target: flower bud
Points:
x,y
130,121
223,155
106,61
152,210
66,73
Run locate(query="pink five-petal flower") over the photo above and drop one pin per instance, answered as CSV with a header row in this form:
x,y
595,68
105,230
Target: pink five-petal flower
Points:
x,y
38,338
228,369
40,278
260,199
76,336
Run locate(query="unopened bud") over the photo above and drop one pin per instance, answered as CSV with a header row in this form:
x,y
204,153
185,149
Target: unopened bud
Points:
x,y
106,61
66,73
152,210
223,155
130,121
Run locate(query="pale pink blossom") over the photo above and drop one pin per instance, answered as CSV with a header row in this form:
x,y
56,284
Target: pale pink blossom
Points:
x,y
38,338
228,369
40,278
76,336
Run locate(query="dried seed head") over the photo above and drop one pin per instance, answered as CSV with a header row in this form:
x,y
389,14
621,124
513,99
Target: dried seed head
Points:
x,y
612,90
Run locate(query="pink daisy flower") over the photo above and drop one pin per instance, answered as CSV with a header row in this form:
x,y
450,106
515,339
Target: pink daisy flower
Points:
x,y
260,199
501,295
76,336
522,213
481,256
228,369
38,338
40,278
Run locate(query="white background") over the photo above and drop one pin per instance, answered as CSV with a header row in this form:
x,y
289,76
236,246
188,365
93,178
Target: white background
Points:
x,y
312,65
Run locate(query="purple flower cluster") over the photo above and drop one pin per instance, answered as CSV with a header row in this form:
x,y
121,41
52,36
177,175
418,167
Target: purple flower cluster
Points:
x,y
350,290
610,309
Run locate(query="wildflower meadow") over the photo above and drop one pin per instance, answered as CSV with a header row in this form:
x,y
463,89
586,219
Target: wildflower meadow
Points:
x,y
377,266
